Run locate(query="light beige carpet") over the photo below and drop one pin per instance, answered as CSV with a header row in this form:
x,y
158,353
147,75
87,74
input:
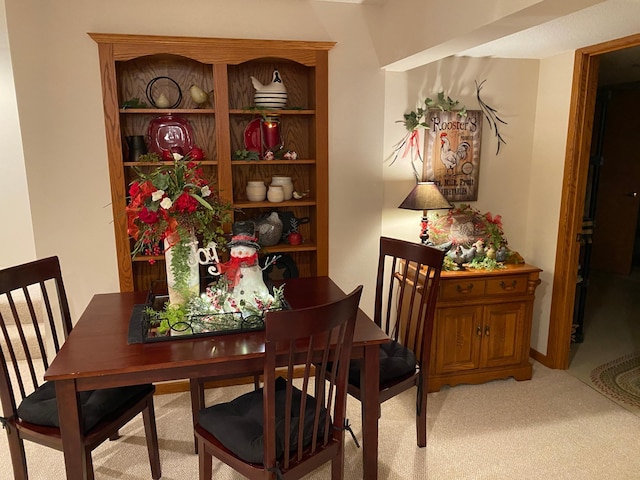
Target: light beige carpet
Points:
x,y
551,427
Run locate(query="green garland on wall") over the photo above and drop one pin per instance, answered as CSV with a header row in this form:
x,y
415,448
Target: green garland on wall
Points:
x,y
416,120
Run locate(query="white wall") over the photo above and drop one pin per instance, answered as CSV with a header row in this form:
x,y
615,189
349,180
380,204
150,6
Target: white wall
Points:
x,y
356,103
546,178
16,233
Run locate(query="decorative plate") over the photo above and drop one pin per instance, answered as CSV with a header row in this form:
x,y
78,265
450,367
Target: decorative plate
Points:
x,y
170,132
253,136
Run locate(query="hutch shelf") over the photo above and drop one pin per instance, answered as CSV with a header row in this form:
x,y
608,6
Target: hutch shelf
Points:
x,y
128,63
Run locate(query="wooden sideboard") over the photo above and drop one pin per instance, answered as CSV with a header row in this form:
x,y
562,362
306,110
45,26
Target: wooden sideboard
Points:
x,y
482,328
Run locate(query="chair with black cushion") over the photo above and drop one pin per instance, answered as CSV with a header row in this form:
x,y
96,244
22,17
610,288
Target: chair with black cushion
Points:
x,y
404,308
288,428
35,321
198,386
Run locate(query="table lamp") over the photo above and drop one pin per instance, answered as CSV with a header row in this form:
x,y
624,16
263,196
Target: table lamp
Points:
x,y
425,196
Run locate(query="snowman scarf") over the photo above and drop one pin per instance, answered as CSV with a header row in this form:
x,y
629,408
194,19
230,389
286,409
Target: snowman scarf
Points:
x,y
231,269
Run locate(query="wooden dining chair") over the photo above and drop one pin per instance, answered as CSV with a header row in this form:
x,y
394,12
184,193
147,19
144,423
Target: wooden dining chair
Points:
x,y
35,321
198,387
405,300
288,428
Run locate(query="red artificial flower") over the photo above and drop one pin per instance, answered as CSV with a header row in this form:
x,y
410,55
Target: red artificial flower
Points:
x,y
148,216
134,189
496,220
185,203
147,188
132,228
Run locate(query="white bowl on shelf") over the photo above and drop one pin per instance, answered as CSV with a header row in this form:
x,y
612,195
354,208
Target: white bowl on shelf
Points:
x,y
270,99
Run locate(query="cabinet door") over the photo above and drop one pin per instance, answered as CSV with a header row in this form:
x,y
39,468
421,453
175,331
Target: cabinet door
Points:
x,y
503,332
458,335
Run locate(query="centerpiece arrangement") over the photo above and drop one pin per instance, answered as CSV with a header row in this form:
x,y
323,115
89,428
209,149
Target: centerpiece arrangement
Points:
x,y
171,208
471,239
237,301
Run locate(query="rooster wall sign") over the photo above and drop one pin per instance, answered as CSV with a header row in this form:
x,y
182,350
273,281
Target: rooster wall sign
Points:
x,y
452,146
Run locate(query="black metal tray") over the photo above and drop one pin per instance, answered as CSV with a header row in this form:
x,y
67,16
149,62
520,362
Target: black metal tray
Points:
x,y
193,326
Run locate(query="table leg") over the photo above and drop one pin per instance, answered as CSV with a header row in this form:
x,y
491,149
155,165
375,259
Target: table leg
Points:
x,y
70,429
196,392
369,390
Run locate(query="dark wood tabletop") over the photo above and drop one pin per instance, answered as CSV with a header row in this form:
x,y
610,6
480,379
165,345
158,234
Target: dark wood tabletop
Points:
x,y
97,355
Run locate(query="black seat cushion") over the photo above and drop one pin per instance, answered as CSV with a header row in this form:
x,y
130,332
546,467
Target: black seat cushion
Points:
x,y
41,406
239,424
396,361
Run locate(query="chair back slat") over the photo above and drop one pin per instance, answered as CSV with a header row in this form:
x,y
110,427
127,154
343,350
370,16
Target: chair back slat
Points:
x,y
319,340
34,316
408,279
17,345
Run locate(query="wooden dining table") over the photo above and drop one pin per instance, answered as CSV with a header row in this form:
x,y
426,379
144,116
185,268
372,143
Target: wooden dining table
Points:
x,y
98,354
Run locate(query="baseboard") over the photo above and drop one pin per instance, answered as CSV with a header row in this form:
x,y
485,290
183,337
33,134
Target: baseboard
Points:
x,y
539,357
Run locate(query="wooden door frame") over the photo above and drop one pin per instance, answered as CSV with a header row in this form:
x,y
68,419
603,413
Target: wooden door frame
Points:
x,y
580,129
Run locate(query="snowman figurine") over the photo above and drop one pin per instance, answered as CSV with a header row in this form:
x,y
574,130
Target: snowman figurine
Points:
x,y
243,272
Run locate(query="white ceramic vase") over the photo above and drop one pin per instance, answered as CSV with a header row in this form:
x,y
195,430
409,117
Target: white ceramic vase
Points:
x,y
193,274
286,184
275,194
256,191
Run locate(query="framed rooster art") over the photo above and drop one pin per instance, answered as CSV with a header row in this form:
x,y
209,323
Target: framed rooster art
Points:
x,y
452,153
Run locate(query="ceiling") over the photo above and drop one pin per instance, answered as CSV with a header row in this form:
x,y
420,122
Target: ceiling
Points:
x,y
604,21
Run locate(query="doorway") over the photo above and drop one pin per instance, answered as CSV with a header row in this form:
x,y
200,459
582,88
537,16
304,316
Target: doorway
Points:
x,y
583,101
609,240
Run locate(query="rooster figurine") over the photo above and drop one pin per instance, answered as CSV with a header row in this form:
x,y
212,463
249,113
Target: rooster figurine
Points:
x,y
461,255
450,158
272,95
480,250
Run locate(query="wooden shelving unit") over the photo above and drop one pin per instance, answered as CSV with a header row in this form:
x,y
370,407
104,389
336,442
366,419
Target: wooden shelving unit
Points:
x,y
129,62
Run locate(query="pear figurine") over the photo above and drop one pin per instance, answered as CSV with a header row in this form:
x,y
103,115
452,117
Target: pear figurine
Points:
x,y
162,101
198,95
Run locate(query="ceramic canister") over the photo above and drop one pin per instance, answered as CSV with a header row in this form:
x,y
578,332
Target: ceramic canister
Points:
x,y
286,184
256,191
275,194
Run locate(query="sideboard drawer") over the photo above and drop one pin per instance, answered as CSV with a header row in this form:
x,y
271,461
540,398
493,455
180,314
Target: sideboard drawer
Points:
x,y
458,289
511,285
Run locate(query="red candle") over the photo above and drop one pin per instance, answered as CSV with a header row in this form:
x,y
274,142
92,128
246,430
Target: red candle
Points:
x,y
271,135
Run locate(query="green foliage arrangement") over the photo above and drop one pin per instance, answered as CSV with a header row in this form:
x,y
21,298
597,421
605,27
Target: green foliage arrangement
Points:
x,y
245,155
416,118
175,203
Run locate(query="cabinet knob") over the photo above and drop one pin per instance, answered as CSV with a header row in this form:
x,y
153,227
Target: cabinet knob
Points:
x,y
487,330
461,289
479,331
509,287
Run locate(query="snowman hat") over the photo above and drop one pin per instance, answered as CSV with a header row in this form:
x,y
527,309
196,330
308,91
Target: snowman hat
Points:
x,y
244,234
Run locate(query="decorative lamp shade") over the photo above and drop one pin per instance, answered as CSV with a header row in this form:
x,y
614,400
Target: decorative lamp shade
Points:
x,y
425,196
